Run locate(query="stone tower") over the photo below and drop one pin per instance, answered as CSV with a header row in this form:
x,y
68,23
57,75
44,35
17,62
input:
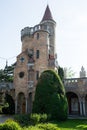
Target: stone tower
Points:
x,y
38,54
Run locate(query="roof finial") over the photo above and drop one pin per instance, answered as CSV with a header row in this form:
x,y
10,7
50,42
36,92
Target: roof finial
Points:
x,y
47,2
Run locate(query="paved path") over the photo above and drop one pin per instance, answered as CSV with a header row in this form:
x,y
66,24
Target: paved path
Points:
x,y
76,117
3,118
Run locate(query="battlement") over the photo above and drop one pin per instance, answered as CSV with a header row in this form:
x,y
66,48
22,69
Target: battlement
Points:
x,y
28,31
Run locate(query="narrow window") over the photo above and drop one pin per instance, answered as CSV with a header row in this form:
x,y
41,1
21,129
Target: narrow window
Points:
x,y
37,36
37,75
31,75
37,54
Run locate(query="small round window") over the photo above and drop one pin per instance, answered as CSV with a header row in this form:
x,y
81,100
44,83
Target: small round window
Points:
x,y
21,74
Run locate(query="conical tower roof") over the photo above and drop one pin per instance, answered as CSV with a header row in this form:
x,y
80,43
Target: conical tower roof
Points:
x,y
47,15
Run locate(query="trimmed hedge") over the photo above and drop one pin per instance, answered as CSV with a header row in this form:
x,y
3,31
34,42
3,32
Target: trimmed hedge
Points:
x,y
50,96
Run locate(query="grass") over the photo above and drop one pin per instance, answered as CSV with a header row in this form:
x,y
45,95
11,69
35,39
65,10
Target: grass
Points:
x,y
73,124
70,124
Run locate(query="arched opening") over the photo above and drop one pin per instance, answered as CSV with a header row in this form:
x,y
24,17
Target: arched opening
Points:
x,y
73,103
21,107
30,103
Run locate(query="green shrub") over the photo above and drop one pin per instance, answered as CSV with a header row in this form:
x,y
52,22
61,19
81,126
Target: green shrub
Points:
x,y
33,128
9,120
23,119
35,118
38,118
26,119
10,125
9,107
43,118
48,126
0,109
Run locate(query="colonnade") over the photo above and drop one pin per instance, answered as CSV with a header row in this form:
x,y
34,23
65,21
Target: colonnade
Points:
x,y
27,105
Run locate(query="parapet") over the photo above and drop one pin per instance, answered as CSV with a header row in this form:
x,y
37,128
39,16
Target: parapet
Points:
x,y
28,31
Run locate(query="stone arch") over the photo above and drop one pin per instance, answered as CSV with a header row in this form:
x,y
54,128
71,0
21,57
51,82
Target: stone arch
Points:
x,y
73,103
21,103
30,102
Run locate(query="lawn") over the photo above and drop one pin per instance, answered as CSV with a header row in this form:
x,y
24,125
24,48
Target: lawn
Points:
x,y
70,124
73,124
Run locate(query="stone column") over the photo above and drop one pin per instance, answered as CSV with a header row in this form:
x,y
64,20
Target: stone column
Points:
x,y
26,105
84,111
80,108
15,106
80,103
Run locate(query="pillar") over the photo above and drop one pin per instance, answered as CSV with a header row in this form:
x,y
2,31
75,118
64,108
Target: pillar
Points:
x,y
81,109
26,105
84,111
15,106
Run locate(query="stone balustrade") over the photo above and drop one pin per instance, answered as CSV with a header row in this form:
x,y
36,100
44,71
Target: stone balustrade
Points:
x,y
75,83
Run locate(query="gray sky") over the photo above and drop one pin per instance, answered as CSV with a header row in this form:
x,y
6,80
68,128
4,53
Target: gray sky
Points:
x,y
71,29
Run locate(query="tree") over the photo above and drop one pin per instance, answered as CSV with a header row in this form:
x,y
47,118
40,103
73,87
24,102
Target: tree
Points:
x,y
61,73
50,96
68,72
6,74
9,107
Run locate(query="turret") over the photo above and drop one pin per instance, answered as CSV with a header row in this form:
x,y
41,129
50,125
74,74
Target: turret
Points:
x,y
49,24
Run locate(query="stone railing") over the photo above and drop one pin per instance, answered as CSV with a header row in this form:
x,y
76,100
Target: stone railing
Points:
x,y
75,83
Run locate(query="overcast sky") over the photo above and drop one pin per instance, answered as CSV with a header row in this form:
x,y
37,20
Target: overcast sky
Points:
x,y
71,29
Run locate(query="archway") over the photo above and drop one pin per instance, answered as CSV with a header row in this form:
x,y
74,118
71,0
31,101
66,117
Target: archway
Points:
x,y
21,107
73,103
30,103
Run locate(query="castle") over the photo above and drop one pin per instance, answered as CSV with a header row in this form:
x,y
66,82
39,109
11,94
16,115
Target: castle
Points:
x,y
38,54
